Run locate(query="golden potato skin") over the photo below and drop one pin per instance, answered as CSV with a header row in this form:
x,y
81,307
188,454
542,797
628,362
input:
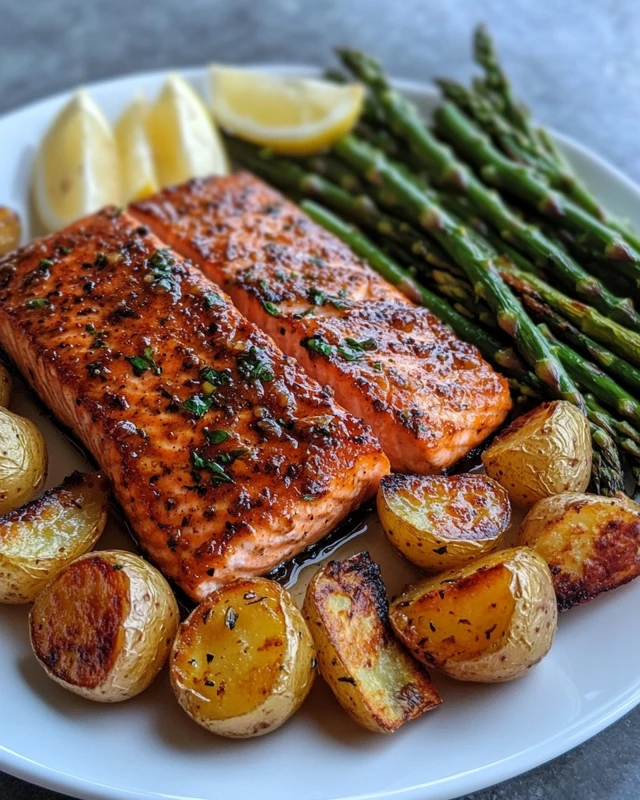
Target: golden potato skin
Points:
x,y
10,230
243,662
591,543
373,678
104,627
488,622
542,453
440,522
6,384
40,538
23,460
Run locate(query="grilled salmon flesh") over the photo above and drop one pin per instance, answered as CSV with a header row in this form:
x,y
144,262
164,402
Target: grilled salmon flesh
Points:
x,y
429,397
224,455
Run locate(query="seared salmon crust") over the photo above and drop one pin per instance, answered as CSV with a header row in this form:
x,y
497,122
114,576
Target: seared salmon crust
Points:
x,y
225,456
429,397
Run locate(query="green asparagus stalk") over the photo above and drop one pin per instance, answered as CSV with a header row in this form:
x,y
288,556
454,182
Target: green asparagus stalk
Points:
x,y
448,171
562,328
481,271
555,166
523,182
488,345
622,341
607,476
594,379
616,427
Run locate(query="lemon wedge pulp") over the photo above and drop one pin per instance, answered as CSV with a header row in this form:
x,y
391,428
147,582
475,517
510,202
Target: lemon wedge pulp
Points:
x,y
183,137
76,170
290,115
137,169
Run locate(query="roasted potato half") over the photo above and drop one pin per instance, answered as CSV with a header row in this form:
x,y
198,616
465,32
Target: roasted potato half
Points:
x,y
243,661
374,679
23,460
5,386
104,627
489,622
10,230
440,522
542,453
40,538
591,543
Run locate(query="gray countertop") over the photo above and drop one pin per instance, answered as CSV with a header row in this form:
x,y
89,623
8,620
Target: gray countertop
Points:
x,y
577,63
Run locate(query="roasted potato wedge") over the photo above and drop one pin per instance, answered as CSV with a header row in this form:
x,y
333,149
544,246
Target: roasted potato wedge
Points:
x,y
374,679
490,621
5,386
243,661
23,460
439,522
104,627
542,453
40,538
10,230
591,543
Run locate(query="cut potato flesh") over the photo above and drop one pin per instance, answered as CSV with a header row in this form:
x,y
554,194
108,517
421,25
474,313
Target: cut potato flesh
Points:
x,y
39,539
439,522
488,622
104,627
373,678
78,628
591,543
243,661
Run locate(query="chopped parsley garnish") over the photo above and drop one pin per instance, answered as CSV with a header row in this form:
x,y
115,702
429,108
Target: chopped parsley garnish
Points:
x,y
271,308
211,300
218,474
101,260
351,350
378,366
66,250
98,336
217,436
319,262
198,405
254,365
318,345
308,498
117,567
161,266
37,302
144,362
320,298
216,377
306,313
45,263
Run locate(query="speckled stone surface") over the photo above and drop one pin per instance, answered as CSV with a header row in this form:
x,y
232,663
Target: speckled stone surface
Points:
x,y
577,63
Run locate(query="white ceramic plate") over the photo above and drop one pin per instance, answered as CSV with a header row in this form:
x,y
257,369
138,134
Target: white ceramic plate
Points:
x,y
149,748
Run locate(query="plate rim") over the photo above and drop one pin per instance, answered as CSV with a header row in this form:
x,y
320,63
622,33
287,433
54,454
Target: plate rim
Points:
x,y
476,779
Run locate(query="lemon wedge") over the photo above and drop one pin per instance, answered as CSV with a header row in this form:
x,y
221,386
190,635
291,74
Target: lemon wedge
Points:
x,y
184,139
76,170
138,172
290,115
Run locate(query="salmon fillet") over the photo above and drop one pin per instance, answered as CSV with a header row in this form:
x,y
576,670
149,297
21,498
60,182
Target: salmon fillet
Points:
x,y
224,455
428,397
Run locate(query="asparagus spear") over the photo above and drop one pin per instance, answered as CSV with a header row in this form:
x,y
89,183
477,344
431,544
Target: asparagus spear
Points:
x,y
448,171
617,428
594,379
622,341
604,358
558,171
488,345
481,271
523,182
607,476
